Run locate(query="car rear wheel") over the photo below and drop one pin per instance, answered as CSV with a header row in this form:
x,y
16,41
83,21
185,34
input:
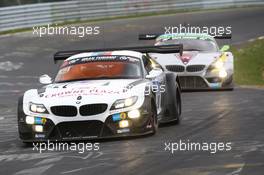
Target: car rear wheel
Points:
x,y
178,107
174,99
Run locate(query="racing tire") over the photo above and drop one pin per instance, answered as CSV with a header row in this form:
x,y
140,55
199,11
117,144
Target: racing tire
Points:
x,y
229,84
178,107
174,97
154,119
20,112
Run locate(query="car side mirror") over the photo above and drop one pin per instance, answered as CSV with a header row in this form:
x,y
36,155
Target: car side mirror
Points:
x,y
45,79
154,73
225,48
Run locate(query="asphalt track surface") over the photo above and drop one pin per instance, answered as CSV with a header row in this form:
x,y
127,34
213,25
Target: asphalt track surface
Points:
x,y
226,116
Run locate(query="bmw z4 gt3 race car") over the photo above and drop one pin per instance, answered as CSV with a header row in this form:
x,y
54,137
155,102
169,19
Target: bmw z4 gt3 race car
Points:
x,y
100,94
202,65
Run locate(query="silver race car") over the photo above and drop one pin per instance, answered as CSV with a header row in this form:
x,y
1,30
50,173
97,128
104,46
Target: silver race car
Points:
x,y
202,65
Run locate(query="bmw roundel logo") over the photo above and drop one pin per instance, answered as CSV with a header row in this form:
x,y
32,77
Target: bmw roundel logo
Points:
x,y
79,97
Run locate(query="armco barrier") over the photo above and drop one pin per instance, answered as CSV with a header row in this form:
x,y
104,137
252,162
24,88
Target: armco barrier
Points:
x,y
25,16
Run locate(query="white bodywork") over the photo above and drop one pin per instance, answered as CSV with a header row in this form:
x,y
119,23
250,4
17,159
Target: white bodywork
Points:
x,y
198,58
91,91
211,79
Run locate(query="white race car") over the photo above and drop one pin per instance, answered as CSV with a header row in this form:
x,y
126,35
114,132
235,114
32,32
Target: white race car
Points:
x,y
100,94
202,65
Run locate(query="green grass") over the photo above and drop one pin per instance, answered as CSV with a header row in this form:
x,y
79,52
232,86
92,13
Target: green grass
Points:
x,y
249,63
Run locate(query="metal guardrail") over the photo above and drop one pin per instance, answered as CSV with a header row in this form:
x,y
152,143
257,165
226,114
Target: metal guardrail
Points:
x,y
26,16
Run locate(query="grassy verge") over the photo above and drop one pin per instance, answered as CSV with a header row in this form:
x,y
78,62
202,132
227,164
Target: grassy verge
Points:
x,y
249,63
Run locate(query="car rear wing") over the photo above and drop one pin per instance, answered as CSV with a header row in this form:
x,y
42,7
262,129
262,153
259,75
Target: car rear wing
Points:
x,y
175,48
154,36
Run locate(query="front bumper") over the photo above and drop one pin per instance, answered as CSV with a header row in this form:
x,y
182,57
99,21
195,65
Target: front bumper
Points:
x,y
87,129
202,77
202,83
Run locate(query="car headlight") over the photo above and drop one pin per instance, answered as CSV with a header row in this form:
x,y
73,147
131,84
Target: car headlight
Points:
x,y
133,114
222,73
38,128
217,69
30,120
219,63
37,108
123,103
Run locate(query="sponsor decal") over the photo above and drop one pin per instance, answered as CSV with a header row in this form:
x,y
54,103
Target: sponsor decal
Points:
x,y
100,56
39,135
116,117
40,120
215,85
84,91
119,116
125,130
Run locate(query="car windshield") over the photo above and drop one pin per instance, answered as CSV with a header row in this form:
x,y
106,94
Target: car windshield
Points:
x,y
100,67
193,44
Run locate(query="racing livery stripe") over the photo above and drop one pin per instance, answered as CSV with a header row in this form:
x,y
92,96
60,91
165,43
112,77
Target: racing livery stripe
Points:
x,y
135,83
99,58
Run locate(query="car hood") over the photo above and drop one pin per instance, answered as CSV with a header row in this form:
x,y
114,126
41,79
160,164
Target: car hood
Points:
x,y
188,58
91,91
